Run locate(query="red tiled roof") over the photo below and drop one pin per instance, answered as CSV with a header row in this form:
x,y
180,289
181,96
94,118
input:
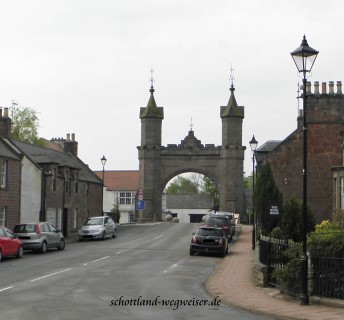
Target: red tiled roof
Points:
x,y
120,180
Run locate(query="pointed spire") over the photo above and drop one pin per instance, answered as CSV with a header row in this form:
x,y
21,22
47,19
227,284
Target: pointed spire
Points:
x,y
232,108
152,111
232,102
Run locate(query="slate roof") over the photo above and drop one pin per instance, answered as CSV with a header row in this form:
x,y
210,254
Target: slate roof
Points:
x,y
189,201
269,145
7,152
122,180
42,155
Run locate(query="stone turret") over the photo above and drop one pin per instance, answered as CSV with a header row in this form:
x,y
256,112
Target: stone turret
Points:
x,y
232,155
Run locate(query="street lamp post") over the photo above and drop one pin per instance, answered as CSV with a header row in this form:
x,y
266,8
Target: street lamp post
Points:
x,y
253,146
304,58
103,161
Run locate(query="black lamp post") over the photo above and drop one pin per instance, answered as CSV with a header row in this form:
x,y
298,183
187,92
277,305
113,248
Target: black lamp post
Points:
x,y
103,161
253,146
304,58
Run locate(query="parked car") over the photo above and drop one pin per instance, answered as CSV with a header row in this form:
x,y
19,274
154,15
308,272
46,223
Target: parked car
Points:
x,y
39,236
221,222
230,215
98,228
209,240
10,245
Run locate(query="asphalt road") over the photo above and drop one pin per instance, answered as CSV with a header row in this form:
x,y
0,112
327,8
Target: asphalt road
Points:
x,y
145,273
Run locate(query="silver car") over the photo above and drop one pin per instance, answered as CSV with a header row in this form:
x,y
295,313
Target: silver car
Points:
x,y
98,228
39,236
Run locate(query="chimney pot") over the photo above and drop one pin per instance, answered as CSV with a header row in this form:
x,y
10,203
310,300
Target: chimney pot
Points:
x,y
6,112
73,136
68,136
339,87
323,88
316,87
308,88
331,87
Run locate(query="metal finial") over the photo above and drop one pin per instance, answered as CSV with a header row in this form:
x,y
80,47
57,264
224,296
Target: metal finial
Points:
x,y
231,78
151,80
298,96
191,125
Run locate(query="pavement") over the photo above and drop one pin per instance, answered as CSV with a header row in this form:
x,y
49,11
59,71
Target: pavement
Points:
x,y
233,282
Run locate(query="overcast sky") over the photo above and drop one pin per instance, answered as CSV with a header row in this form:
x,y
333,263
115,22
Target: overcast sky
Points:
x,y
84,66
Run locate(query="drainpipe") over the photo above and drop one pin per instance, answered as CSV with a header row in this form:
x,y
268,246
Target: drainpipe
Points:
x,y
42,216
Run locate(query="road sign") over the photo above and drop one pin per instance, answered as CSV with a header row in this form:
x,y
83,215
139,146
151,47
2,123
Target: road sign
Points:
x,y
139,194
140,205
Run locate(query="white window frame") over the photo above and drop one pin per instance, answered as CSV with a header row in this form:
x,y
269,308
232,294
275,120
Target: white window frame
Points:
x,y
3,216
75,218
127,197
53,179
3,174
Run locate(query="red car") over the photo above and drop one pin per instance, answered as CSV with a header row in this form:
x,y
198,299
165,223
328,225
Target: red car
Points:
x,y
10,245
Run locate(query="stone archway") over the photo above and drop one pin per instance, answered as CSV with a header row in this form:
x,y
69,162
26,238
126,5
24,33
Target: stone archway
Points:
x,y
223,164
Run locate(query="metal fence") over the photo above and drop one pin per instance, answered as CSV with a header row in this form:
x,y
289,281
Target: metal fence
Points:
x,y
326,274
272,254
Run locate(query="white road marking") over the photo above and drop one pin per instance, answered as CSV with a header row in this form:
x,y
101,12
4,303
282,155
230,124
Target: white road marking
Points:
x,y
8,288
52,274
85,264
156,238
171,267
119,252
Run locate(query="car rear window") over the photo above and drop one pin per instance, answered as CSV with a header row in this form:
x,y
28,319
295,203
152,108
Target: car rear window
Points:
x,y
209,232
27,228
216,221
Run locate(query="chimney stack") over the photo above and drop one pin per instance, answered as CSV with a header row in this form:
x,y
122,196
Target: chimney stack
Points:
x,y
5,124
70,146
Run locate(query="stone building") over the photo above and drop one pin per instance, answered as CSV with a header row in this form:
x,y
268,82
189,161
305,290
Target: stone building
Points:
x,y
325,118
46,183
10,176
120,187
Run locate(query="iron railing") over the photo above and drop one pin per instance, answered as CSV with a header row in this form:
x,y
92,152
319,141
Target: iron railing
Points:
x,y
326,274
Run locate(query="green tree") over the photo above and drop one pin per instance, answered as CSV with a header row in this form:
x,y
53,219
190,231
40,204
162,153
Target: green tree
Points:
x,y
291,218
115,212
25,124
266,193
182,185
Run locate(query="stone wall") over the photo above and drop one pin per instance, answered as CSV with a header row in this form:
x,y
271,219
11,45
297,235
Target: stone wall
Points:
x,y
325,118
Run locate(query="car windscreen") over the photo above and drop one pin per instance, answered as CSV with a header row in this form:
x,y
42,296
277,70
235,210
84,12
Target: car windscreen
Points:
x,y
209,232
96,221
24,228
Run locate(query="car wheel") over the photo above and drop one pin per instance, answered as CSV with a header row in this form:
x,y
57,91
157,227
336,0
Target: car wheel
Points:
x,y
227,250
223,253
20,252
44,247
0,255
103,236
191,253
114,235
62,245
